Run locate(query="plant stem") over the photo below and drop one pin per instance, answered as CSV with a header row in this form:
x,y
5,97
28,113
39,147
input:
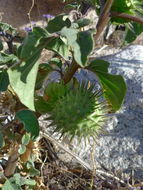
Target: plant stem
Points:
x,y
71,71
127,16
103,19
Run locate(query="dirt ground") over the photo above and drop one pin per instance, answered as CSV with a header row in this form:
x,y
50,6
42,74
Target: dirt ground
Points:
x,y
15,12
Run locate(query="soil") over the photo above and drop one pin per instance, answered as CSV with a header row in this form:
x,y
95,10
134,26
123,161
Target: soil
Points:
x,y
15,12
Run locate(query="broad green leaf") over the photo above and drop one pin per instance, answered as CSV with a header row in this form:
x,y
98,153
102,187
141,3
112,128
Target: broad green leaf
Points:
x,y
30,122
80,42
57,23
23,76
99,65
29,46
114,86
26,138
22,149
4,81
134,32
70,34
22,79
83,47
114,89
59,47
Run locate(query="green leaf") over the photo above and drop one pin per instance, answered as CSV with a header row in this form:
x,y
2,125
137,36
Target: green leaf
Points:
x,y
22,79
4,81
30,182
99,65
2,142
22,149
80,42
1,46
40,32
114,86
25,139
83,22
134,32
42,106
114,89
6,58
7,28
30,122
54,62
44,70
20,181
59,47
70,34
23,76
17,179
29,46
8,185
32,171
57,23
83,47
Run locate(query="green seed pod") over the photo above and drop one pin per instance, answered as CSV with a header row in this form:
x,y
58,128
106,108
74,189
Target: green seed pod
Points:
x,y
55,90
79,113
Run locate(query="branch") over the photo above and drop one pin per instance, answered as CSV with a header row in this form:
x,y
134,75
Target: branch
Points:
x,y
104,18
71,71
127,16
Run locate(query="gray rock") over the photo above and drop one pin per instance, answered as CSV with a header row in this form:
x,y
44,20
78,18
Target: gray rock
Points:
x,y
122,148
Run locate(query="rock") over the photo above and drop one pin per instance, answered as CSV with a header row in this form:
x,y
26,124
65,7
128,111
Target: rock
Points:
x,y
122,148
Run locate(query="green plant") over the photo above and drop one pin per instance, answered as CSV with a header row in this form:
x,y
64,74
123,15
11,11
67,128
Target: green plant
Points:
x,y
75,109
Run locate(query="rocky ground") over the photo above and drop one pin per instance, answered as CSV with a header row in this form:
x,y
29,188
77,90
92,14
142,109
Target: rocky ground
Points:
x,y
122,149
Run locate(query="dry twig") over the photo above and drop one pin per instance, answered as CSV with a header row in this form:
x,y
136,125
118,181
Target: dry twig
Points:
x,y
84,164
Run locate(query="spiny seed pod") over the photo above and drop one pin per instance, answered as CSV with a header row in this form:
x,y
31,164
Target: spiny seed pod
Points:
x,y
79,113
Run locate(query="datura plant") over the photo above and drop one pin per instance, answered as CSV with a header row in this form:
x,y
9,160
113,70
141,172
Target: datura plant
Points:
x,y
75,108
